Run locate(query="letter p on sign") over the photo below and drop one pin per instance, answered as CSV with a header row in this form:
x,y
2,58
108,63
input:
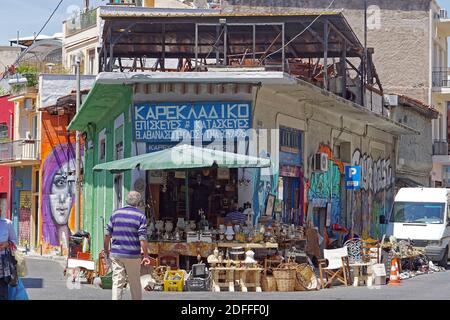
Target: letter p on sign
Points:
x,y
353,177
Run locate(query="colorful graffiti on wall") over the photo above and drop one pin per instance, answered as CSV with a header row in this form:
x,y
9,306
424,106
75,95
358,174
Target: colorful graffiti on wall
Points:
x,y
58,194
58,182
325,187
376,197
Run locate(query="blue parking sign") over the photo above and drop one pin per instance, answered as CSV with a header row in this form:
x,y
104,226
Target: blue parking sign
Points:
x,y
353,177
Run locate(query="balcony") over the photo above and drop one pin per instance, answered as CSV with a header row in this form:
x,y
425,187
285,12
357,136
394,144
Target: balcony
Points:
x,y
440,148
20,152
81,22
441,79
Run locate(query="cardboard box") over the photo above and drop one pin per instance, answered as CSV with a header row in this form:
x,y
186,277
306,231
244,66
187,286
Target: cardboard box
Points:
x,y
378,272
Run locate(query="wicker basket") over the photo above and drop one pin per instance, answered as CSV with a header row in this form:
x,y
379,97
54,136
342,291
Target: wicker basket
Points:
x,y
268,284
285,278
306,278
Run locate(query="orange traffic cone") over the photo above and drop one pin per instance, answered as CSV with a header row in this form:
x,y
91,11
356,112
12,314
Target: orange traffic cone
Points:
x,y
394,279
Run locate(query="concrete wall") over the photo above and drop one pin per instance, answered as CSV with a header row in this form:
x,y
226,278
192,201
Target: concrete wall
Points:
x,y
415,152
8,55
373,150
401,39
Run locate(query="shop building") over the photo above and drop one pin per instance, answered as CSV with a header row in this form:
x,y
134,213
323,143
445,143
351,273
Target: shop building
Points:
x,y
413,34
414,158
315,122
6,135
57,107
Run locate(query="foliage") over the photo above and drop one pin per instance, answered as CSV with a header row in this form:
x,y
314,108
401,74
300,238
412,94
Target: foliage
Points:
x,y
3,91
30,73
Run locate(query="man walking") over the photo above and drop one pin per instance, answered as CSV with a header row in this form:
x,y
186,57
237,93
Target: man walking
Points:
x,y
128,230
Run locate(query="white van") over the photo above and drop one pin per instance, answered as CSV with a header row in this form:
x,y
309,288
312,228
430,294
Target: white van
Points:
x,y
423,216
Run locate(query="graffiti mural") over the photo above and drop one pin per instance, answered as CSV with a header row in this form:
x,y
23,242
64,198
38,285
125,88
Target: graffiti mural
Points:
x,y
367,205
58,194
57,187
325,187
376,197
24,216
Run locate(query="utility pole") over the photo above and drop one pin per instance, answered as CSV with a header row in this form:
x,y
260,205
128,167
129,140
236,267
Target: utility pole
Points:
x,y
86,6
78,152
366,58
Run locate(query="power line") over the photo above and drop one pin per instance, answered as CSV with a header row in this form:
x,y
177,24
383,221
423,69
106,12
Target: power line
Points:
x,y
298,35
35,37
48,20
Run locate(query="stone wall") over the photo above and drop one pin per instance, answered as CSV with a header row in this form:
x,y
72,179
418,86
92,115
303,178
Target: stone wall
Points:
x,y
415,151
400,39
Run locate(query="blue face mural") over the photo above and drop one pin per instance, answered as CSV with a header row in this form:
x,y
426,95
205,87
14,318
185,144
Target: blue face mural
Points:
x,y
325,186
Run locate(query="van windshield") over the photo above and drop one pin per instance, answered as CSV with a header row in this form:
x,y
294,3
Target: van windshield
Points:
x,y
418,212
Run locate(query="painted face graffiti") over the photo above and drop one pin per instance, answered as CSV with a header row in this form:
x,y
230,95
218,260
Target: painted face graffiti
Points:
x,y
58,193
62,192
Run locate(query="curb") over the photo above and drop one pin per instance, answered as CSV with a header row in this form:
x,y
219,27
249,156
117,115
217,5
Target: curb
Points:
x,y
37,256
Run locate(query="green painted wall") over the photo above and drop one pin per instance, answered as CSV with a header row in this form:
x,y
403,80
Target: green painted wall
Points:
x,y
98,186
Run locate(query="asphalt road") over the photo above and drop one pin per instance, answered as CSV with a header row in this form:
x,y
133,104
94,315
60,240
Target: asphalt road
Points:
x,y
46,281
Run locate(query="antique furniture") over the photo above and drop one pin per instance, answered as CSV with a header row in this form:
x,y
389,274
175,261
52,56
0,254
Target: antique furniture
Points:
x,y
335,266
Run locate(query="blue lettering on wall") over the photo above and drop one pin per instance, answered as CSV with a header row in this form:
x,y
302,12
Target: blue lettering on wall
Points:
x,y
156,122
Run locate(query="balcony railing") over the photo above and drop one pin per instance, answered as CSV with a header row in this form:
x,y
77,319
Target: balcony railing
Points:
x,y
20,150
81,22
441,79
440,148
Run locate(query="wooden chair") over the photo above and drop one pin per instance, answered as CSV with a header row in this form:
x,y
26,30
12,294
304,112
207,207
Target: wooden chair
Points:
x,y
371,251
270,263
169,259
335,266
154,263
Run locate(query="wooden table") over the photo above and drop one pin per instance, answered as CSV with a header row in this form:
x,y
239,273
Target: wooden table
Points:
x,y
358,274
233,276
204,249
230,245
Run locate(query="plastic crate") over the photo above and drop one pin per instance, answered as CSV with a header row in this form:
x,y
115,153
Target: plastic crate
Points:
x,y
198,284
107,281
174,280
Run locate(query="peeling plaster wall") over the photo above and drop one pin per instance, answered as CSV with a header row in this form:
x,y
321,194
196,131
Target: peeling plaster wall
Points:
x,y
415,152
374,150
401,41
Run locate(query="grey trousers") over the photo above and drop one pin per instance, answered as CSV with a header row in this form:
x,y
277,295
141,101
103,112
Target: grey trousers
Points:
x,y
126,270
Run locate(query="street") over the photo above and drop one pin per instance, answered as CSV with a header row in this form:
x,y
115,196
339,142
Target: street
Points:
x,y
45,281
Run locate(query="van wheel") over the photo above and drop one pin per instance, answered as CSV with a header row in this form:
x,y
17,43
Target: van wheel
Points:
x,y
444,261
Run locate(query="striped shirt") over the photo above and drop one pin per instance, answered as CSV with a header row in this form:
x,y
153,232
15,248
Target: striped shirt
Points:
x,y
127,227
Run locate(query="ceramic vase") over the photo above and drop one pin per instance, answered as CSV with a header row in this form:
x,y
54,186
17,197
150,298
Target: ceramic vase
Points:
x,y
229,233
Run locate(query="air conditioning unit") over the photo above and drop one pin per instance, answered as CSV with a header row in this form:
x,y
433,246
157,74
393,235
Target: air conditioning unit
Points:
x,y
391,100
320,162
443,14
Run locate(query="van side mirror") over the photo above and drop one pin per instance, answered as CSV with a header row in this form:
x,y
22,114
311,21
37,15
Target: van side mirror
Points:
x,y
382,219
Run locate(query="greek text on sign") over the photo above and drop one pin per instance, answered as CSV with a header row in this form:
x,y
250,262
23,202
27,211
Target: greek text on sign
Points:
x,y
156,122
353,177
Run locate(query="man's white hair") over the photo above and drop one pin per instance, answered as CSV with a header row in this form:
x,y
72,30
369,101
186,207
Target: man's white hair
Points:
x,y
133,198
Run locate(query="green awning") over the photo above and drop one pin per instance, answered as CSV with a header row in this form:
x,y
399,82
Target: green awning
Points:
x,y
185,157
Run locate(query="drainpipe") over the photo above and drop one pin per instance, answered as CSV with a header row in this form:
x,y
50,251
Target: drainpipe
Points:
x,y
78,154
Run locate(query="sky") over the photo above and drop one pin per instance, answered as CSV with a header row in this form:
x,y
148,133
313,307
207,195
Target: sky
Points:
x,y
28,16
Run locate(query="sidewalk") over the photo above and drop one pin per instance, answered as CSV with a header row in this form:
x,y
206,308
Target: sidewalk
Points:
x,y
36,255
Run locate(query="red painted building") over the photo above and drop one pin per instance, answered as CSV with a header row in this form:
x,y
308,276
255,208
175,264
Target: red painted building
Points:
x,y
6,132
